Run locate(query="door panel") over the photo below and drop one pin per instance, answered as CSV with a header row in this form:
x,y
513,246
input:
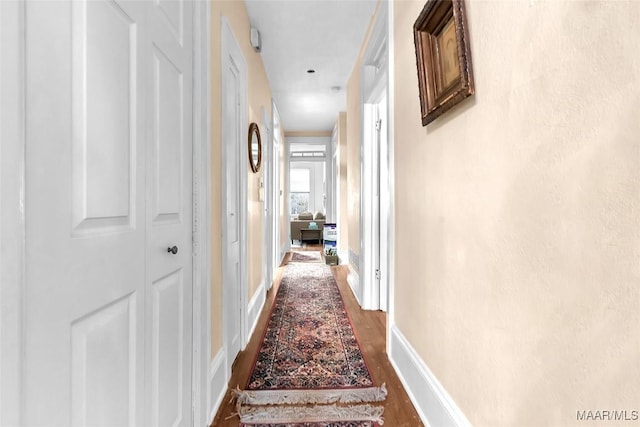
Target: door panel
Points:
x,y
104,119
232,155
103,356
108,311
85,270
168,325
173,12
168,140
169,221
232,140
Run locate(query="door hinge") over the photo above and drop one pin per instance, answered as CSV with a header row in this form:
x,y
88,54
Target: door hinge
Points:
x,y
377,274
378,124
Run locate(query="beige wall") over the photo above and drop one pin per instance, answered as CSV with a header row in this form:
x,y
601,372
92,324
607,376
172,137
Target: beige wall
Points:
x,y
259,95
353,160
353,163
343,224
517,218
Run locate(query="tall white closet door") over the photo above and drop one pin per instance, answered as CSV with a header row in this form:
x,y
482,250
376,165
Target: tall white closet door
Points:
x,y
169,207
104,309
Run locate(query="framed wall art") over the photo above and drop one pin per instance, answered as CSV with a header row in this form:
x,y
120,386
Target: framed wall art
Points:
x,y
255,148
443,57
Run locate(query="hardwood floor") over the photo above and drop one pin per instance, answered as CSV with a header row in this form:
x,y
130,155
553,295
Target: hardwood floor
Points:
x,y
370,327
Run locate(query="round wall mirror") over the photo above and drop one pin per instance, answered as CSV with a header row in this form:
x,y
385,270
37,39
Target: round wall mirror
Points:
x,y
255,147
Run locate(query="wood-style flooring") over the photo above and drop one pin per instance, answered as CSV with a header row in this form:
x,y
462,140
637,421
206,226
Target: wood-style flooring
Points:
x,y
370,327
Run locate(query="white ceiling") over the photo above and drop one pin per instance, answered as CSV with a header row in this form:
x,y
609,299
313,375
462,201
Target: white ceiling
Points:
x,y
297,35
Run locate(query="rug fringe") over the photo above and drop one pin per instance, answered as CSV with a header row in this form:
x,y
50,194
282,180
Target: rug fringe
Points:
x,y
288,414
305,256
301,397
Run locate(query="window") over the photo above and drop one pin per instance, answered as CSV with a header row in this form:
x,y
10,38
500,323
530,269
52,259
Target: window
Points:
x,y
300,190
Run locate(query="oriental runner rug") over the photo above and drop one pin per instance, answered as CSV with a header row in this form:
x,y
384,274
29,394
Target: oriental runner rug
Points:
x,y
308,256
309,355
291,416
320,424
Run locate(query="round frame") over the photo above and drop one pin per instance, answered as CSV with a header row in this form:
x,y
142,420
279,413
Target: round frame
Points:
x,y
255,152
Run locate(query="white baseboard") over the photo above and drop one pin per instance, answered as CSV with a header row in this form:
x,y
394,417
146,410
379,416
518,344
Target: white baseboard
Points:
x,y
255,307
434,405
354,281
283,253
217,383
343,257
284,249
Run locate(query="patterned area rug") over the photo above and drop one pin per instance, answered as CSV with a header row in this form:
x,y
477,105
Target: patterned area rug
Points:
x,y
322,424
308,256
309,355
318,424
315,416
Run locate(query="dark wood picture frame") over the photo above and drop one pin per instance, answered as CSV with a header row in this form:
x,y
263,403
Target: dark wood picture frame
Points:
x,y
254,148
443,57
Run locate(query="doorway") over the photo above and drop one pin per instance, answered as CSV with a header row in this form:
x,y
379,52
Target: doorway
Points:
x,y
234,195
272,194
375,226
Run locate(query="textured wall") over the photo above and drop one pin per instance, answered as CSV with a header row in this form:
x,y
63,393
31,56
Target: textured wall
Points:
x,y
259,95
518,213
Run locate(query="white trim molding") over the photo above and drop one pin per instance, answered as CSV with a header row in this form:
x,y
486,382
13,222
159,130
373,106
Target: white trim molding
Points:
x,y
12,205
266,197
285,248
391,164
373,240
217,383
432,402
275,190
255,307
343,256
354,282
201,210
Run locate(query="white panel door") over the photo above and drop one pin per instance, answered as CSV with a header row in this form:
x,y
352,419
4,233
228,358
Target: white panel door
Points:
x,y
98,293
169,337
85,215
232,137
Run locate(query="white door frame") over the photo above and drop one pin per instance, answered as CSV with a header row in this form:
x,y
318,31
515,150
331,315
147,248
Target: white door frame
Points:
x,y
391,160
275,190
266,198
230,46
201,211
321,141
374,79
286,150
333,198
271,194
12,210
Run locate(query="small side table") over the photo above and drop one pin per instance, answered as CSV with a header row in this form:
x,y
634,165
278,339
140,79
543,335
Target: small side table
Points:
x,y
311,234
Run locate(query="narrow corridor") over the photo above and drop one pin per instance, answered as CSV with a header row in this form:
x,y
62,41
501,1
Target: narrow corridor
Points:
x,y
371,330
